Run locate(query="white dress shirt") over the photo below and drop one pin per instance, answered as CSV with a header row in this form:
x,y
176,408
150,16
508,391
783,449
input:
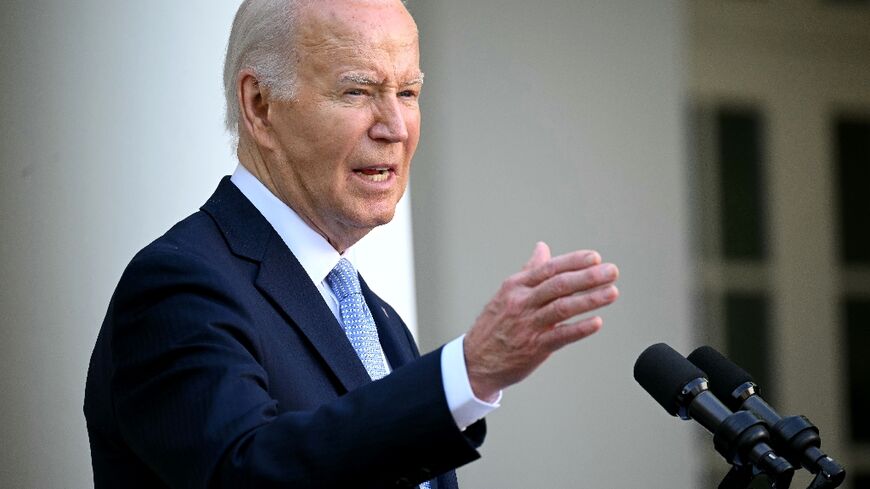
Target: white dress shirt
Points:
x,y
318,258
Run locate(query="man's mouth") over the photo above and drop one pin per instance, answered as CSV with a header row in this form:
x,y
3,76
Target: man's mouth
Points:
x,y
374,174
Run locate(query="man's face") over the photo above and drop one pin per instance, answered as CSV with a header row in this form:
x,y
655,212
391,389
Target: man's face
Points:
x,y
347,138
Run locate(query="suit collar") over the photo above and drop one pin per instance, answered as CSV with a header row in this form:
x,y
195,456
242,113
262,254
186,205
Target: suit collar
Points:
x,y
246,230
283,280
313,251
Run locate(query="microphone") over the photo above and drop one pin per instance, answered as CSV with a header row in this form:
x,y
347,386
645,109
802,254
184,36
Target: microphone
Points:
x,y
794,436
681,388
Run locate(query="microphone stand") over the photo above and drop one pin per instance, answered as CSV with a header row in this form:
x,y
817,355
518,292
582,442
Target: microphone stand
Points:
x,y
823,481
801,437
740,439
741,476
795,432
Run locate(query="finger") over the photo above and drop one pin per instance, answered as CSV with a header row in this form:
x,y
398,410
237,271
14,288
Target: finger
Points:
x,y
567,307
540,255
565,334
569,283
576,260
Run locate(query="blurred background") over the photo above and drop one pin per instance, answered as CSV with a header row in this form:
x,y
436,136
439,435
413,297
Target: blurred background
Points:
x,y
717,151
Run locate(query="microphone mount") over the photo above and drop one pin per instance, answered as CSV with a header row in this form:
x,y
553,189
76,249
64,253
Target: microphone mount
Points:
x,y
794,437
742,438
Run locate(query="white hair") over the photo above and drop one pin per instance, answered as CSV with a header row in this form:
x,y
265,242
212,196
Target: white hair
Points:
x,y
262,40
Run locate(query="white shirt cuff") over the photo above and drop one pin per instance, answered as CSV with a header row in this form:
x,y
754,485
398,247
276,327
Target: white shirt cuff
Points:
x,y
464,406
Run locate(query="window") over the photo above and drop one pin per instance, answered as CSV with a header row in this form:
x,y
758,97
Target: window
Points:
x,y
739,158
858,376
852,143
748,337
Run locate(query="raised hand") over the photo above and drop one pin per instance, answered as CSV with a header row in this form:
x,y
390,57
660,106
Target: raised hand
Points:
x,y
527,320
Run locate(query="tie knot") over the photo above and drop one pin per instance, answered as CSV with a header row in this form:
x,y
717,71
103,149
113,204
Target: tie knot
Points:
x,y
343,279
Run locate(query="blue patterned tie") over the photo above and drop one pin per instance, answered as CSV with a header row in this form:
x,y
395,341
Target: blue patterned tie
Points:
x,y
359,325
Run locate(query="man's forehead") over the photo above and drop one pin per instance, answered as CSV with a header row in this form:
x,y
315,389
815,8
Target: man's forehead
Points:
x,y
327,20
352,3
364,45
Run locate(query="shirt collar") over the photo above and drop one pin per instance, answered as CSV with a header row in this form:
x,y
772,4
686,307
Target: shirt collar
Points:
x,y
314,253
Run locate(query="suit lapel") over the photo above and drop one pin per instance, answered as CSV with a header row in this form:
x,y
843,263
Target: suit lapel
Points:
x,y
391,330
283,280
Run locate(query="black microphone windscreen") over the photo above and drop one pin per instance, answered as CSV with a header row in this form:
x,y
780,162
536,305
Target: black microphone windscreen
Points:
x,y
725,375
663,372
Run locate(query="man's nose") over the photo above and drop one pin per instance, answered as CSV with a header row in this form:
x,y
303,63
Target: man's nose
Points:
x,y
389,122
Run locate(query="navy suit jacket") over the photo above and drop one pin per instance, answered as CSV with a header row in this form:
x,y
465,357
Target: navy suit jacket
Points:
x,y
220,365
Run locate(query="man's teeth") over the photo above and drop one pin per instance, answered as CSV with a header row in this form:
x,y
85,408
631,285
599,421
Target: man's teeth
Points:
x,y
374,174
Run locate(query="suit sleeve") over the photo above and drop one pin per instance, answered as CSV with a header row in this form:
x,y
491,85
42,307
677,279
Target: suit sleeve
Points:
x,y
192,400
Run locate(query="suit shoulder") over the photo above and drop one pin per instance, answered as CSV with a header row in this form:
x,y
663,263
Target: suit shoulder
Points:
x,y
195,235
192,250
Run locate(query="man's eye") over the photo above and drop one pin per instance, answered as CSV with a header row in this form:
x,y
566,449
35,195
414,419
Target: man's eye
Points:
x,y
356,92
408,94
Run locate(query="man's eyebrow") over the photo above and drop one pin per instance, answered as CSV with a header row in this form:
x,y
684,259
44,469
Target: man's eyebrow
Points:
x,y
358,78
415,81
362,79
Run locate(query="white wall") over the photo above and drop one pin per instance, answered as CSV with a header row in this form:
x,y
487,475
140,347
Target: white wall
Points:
x,y
110,132
560,121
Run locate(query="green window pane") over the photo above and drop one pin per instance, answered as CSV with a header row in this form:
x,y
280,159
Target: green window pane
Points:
x,y
853,162
747,336
857,343
740,158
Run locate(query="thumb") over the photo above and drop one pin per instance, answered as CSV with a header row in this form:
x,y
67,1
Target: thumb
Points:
x,y
539,256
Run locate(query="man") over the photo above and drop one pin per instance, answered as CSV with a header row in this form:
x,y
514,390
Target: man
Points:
x,y
241,349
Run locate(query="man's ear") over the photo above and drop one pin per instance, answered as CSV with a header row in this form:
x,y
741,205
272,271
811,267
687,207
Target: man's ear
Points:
x,y
254,109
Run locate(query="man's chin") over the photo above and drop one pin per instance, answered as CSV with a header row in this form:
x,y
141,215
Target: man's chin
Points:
x,y
374,214
379,219
367,215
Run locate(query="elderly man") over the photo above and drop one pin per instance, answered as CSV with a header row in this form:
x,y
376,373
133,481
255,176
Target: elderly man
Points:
x,y
242,349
